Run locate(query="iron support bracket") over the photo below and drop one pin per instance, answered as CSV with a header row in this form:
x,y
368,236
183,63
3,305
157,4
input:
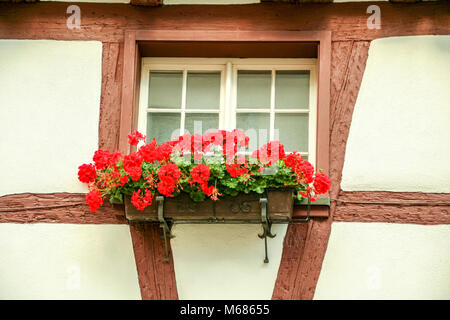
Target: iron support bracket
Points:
x,y
165,225
266,225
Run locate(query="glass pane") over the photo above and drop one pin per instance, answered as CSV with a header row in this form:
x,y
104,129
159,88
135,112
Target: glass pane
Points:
x,y
165,90
292,90
256,126
253,89
203,90
201,122
292,131
163,126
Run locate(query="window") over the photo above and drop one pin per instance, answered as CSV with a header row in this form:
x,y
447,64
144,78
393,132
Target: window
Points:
x,y
270,99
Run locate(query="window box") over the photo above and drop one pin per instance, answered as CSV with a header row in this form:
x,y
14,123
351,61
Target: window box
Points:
x,y
245,208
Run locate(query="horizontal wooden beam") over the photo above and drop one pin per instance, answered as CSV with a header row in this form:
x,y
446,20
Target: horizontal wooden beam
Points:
x,y
107,22
56,208
393,207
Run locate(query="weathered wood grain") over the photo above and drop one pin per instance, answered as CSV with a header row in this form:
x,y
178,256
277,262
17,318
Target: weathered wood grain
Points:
x,y
56,208
112,68
156,276
404,207
107,22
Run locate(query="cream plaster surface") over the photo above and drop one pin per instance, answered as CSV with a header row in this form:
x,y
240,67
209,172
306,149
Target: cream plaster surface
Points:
x,y
49,113
67,261
386,261
225,261
399,135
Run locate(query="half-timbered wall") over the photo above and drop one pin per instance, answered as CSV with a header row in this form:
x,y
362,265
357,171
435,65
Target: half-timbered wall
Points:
x,y
60,98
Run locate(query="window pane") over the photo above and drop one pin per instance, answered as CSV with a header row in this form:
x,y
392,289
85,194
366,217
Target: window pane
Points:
x,y
165,90
253,89
292,90
201,122
203,90
292,131
162,126
256,126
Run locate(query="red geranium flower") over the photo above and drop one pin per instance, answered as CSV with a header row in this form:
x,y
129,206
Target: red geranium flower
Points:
x,y
235,170
321,183
305,172
270,153
293,159
132,165
148,151
200,173
168,174
94,200
141,201
135,137
86,173
122,181
101,159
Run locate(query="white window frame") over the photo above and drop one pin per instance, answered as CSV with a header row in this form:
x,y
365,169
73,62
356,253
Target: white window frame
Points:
x,y
229,68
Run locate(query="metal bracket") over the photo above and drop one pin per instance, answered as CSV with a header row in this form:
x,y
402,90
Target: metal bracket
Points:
x,y
167,227
266,224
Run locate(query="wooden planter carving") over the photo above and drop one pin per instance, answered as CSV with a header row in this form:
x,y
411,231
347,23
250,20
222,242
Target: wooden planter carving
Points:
x,y
272,206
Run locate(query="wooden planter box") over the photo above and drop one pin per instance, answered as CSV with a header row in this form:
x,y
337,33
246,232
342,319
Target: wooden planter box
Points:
x,y
242,208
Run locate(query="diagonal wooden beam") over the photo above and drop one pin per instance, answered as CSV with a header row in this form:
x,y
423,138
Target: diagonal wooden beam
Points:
x,y
156,276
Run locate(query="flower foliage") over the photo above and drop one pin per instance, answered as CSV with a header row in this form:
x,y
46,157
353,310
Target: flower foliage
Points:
x,y
210,166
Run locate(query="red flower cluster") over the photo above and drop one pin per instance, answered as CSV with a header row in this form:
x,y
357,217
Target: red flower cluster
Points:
x,y
152,152
270,153
235,170
168,174
293,159
111,172
142,201
305,171
132,165
135,137
103,158
122,181
321,183
230,141
200,174
94,200
87,173
302,168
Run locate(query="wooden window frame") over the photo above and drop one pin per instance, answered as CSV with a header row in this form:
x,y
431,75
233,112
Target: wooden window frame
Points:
x,y
132,69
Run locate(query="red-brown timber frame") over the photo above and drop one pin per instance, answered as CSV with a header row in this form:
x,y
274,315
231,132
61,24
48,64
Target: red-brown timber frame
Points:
x,y
131,78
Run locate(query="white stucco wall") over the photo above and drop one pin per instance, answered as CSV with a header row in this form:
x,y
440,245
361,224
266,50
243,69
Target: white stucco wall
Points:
x,y
399,135
67,261
49,113
386,261
225,261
